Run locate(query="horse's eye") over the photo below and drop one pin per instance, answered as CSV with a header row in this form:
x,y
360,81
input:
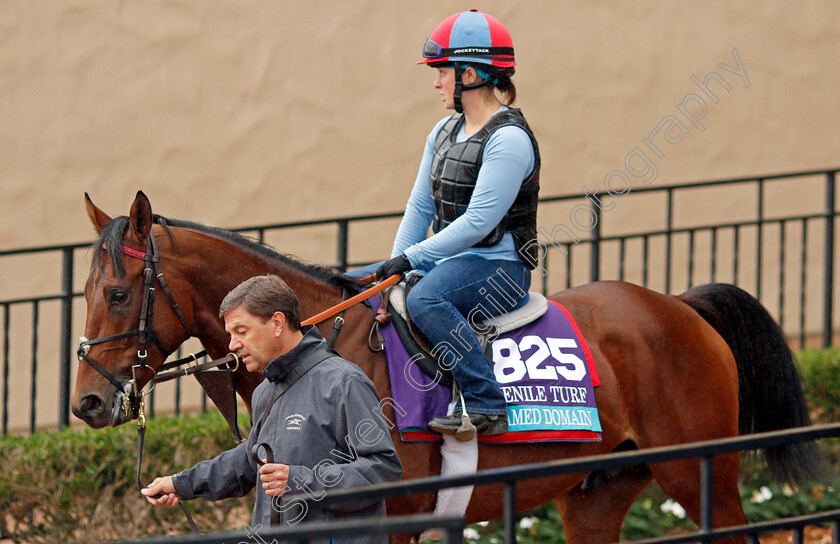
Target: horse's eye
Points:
x,y
118,296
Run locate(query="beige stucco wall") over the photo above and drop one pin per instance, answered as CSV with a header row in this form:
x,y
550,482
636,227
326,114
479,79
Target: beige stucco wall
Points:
x,y
235,113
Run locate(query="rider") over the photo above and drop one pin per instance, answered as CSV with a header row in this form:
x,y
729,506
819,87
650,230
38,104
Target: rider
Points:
x,y
477,188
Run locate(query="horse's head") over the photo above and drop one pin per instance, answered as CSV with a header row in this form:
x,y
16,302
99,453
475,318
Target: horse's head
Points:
x,y
127,335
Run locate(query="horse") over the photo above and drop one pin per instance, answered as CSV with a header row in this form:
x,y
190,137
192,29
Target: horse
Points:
x,y
708,364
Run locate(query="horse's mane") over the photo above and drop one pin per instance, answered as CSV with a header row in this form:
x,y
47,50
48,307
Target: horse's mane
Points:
x,y
113,233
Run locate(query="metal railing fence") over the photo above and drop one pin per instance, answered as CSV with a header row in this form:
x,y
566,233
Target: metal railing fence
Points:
x,y
452,526
798,249
510,476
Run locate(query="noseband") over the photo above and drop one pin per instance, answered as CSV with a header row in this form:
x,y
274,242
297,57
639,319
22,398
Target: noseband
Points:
x,y
131,401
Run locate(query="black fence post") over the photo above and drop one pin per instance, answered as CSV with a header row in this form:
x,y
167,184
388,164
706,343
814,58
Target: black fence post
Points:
x,y
33,384
454,535
706,496
510,512
65,340
759,238
828,273
6,322
341,257
595,246
669,228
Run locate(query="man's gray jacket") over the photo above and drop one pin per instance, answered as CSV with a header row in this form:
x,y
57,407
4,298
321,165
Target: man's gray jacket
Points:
x,y
327,427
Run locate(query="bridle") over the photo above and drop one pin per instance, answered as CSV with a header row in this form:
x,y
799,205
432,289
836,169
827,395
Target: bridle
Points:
x,y
132,398
132,403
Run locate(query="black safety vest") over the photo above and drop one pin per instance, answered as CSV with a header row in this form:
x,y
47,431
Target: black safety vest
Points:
x,y
455,167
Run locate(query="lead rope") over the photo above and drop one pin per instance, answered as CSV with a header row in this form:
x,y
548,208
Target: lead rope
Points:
x,y
141,435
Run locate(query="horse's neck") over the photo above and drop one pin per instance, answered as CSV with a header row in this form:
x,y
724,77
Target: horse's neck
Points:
x,y
218,265
214,266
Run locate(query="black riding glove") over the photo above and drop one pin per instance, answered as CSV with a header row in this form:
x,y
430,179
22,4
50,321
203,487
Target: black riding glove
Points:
x,y
397,265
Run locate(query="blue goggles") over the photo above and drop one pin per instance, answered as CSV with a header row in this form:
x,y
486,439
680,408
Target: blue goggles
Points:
x,y
432,50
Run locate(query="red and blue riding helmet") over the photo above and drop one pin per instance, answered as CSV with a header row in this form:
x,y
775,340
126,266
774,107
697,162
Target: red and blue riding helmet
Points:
x,y
470,38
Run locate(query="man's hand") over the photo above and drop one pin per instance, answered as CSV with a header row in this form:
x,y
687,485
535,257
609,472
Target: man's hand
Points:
x,y
166,488
397,265
274,478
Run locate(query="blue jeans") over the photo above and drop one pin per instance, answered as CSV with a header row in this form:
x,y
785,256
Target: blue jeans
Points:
x,y
450,293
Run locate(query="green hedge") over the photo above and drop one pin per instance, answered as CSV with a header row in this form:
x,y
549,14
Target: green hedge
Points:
x,y
79,485
820,371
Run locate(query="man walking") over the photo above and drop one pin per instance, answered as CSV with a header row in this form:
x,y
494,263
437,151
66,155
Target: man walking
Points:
x,y
324,430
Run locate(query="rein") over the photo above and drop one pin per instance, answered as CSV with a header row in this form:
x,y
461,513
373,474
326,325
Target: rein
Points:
x,y
132,398
132,403
193,366
328,313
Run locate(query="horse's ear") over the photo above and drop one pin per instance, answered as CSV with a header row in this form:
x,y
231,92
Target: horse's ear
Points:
x,y
97,216
141,217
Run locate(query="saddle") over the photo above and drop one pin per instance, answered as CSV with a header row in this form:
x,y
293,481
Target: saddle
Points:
x,y
419,347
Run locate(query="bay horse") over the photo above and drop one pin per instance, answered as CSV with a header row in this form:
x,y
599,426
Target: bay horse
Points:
x,y
705,365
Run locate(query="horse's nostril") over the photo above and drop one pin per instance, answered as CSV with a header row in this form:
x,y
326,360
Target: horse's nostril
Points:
x,y
91,405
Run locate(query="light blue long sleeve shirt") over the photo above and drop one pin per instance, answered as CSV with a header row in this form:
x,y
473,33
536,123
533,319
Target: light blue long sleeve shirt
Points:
x,y
507,161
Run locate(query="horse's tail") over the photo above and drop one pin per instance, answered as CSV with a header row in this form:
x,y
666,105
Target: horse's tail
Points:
x,y
770,395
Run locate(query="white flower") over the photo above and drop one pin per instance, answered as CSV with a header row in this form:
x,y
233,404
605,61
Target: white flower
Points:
x,y
527,523
788,491
483,523
761,495
471,534
673,507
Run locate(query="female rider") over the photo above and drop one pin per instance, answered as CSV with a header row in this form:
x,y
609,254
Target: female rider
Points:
x,y
477,187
